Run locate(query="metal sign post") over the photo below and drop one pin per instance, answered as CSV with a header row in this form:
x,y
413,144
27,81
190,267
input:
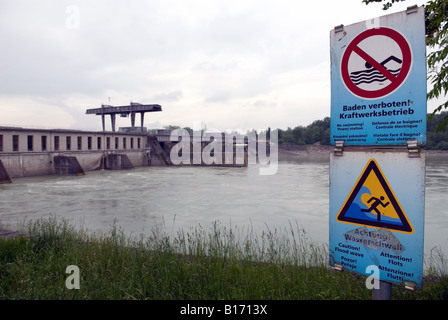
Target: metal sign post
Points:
x,y
377,173
384,292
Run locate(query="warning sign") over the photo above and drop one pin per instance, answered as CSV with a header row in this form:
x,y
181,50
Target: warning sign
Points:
x,y
378,81
374,220
372,203
371,73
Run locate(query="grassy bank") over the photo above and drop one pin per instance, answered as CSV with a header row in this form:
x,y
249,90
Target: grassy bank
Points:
x,y
214,263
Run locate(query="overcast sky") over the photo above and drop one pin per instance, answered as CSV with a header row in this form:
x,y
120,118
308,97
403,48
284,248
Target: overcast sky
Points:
x,y
230,64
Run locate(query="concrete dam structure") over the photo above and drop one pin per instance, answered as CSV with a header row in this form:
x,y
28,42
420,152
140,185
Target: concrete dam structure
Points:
x,y
31,152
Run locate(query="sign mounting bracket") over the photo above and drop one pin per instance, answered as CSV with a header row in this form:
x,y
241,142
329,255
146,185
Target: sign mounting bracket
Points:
x,y
412,9
413,149
339,28
339,148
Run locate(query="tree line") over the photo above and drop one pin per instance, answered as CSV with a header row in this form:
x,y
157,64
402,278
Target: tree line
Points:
x,y
437,138
319,132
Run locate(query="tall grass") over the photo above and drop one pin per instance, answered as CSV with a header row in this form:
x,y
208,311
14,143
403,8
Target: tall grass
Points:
x,y
219,262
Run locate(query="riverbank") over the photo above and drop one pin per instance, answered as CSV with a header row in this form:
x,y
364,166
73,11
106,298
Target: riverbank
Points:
x,y
313,152
198,264
322,152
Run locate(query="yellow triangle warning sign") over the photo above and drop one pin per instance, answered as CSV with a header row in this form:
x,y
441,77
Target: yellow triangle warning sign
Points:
x,y
372,203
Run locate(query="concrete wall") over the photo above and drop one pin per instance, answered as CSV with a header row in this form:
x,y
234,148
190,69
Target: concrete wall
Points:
x,y
4,175
27,164
35,164
31,152
35,140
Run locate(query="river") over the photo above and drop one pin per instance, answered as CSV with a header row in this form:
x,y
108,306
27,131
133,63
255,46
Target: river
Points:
x,y
174,198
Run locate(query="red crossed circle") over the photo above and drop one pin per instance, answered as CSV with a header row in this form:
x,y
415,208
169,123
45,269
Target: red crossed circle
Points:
x,y
395,81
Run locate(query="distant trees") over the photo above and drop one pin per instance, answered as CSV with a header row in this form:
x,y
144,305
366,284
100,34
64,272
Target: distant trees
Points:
x,y
318,131
436,139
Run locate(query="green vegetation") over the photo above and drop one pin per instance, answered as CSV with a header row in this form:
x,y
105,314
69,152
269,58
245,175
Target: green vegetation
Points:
x,y
436,139
220,263
319,132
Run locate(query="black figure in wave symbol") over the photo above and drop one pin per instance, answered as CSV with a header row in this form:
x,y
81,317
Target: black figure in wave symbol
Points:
x,y
371,74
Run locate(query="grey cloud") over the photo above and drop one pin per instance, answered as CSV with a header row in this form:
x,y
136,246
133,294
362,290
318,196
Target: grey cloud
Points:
x,y
217,56
175,95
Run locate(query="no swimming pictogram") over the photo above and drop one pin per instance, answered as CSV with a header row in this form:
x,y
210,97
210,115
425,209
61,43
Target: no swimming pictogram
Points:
x,y
372,203
376,63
